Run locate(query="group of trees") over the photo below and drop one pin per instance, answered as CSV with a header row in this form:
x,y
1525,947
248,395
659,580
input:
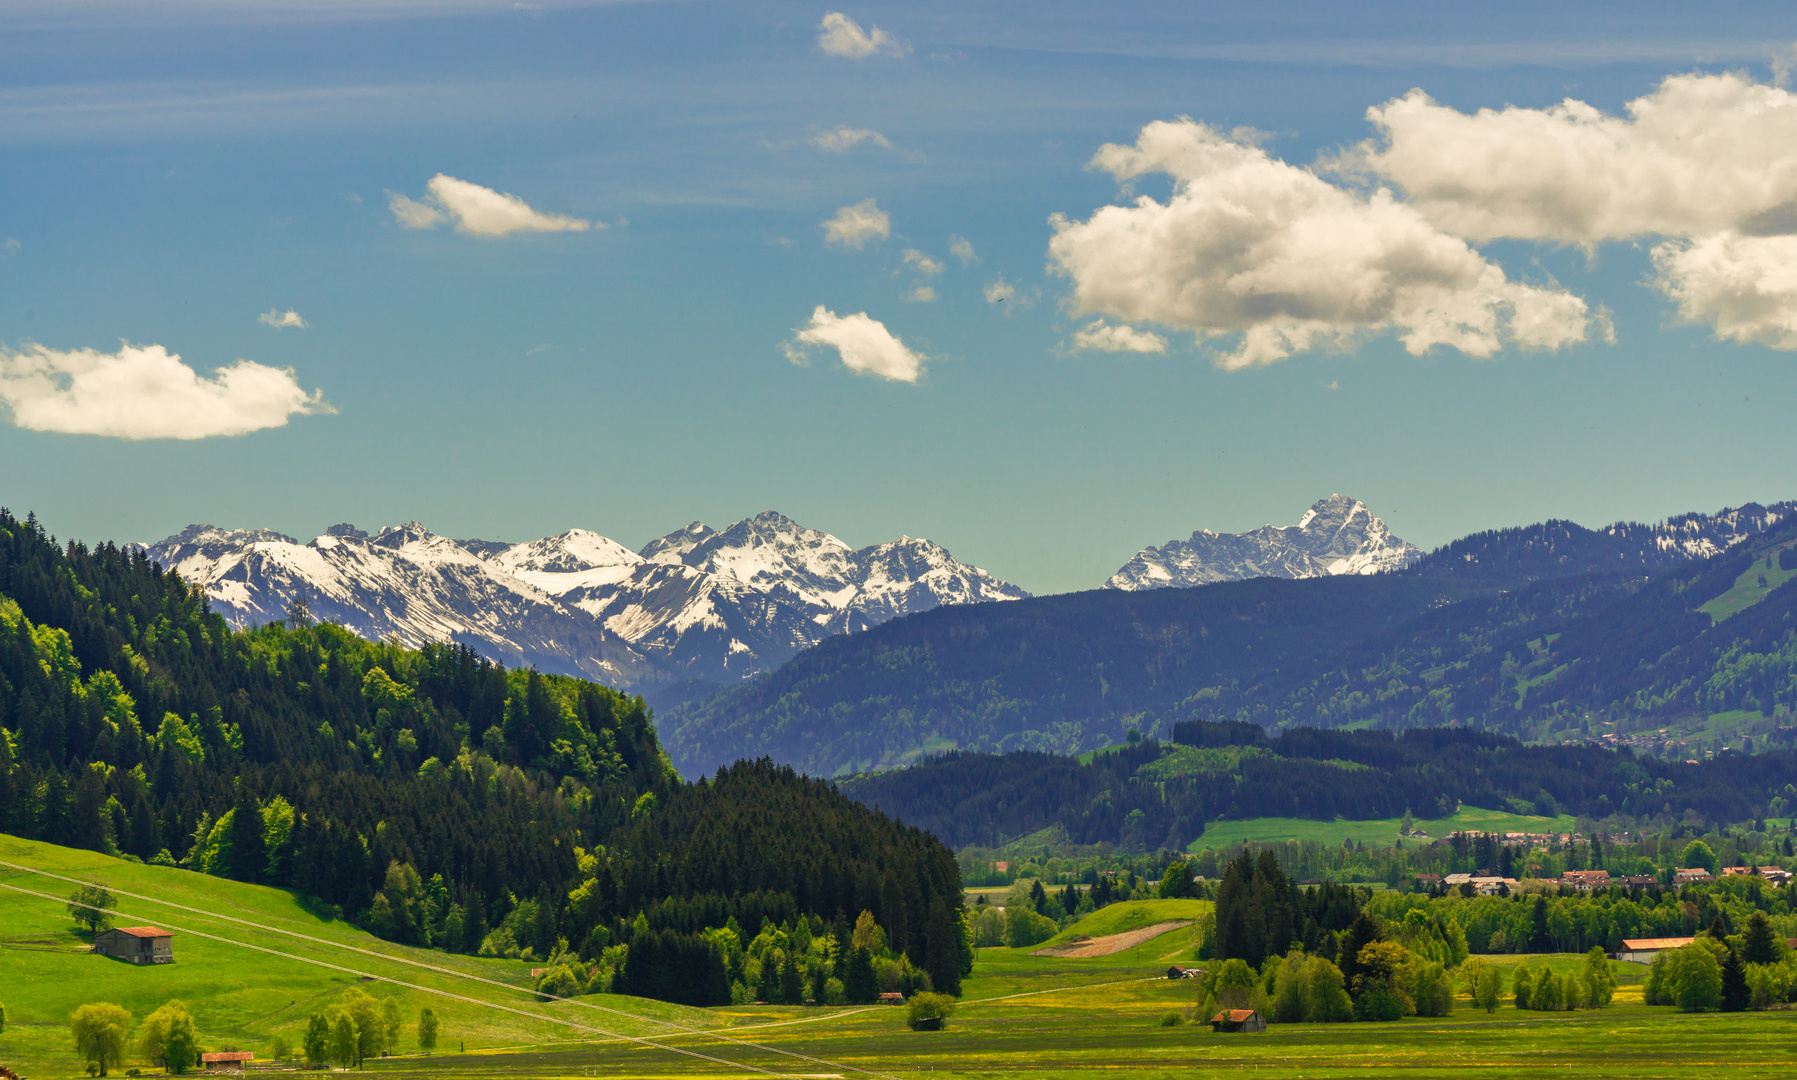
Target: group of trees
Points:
x,y
358,1026
434,797
1725,971
168,1036
1261,912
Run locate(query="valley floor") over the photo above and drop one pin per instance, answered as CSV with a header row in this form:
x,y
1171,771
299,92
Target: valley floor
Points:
x,y
1022,1015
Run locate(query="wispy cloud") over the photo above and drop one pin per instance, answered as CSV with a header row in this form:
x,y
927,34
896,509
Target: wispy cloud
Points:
x,y
864,344
853,226
962,248
842,36
477,211
1103,337
146,392
282,320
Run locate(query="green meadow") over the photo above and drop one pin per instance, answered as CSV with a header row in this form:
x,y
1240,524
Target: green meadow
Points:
x,y
1382,833
1021,1016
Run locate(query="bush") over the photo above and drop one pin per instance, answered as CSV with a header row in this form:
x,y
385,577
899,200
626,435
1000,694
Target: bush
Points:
x,y
1024,927
929,1006
1171,1019
1379,1002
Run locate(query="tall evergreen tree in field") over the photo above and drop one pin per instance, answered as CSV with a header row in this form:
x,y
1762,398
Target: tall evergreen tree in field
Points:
x,y
245,853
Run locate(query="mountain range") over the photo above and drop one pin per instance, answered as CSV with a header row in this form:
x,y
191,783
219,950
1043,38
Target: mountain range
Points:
x,y
1339,535
698,605
1543,631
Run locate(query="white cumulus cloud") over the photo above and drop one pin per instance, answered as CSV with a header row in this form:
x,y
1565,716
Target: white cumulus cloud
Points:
x,y
853,226
864,344
1700,154
1104,337
282,320
1745,287
840,35
146,392
477,211
1707,163
1249,245
962,248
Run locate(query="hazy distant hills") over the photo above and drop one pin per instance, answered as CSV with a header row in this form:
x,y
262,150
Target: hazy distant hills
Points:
x,y
696,605
1339,535
1517,629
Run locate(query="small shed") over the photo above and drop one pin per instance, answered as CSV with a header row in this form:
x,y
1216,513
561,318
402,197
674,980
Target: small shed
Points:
x,y
226,1060
137,944
1238,1020
1177,972
892,999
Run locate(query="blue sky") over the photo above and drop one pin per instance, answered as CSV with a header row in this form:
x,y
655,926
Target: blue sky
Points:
x,y
175,171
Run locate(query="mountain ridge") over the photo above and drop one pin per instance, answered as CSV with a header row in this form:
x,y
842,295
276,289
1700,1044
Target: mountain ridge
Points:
x,y
697,604
1070,672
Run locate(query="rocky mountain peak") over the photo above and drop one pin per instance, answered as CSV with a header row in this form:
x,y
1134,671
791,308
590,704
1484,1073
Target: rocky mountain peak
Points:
x,y
1338,535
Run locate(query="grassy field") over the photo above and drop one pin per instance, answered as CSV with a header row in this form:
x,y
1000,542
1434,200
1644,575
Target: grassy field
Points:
x,y
1223,834
1022,1016
1754,585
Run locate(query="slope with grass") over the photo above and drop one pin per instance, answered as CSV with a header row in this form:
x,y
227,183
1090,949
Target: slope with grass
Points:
x,y
242,998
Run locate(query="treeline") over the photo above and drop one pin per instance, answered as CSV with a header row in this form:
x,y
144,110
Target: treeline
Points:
x,y
434,797
1158,795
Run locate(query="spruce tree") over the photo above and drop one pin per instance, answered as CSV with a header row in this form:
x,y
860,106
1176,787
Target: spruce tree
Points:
x,y
858,981
245,855
1735,994
1761,944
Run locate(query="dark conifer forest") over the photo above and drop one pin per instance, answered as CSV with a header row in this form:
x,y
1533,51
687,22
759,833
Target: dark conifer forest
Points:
x,y
434,797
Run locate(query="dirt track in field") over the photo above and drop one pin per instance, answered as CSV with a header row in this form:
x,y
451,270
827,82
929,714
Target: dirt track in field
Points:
x,y
1110,943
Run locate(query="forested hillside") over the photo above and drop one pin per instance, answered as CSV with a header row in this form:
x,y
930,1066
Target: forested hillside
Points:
x,y
1162,794
1547,632
430,795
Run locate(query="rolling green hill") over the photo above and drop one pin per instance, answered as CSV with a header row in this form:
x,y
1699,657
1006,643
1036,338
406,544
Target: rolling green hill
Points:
x,y
243,998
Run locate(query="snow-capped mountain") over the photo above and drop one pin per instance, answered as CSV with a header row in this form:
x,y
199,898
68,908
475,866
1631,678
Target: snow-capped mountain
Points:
x,y
1339,535
695,604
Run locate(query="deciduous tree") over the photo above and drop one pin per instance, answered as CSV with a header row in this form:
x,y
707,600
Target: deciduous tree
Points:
x,y
100,1030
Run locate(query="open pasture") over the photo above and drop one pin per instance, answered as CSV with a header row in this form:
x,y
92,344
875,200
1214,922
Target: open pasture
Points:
x,y
1022,1015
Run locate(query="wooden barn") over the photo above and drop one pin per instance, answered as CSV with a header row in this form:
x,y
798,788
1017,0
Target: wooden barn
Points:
x,y
1237,1020
226,1060
138,944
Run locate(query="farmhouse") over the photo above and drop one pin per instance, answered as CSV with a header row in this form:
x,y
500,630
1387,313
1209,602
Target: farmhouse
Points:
x,y
1177,972
138,944
1586,880
227,1060
1685,876
1235,1020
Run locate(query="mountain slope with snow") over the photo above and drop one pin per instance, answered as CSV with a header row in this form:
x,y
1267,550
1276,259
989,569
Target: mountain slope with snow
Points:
x,y
697,604
1339,535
